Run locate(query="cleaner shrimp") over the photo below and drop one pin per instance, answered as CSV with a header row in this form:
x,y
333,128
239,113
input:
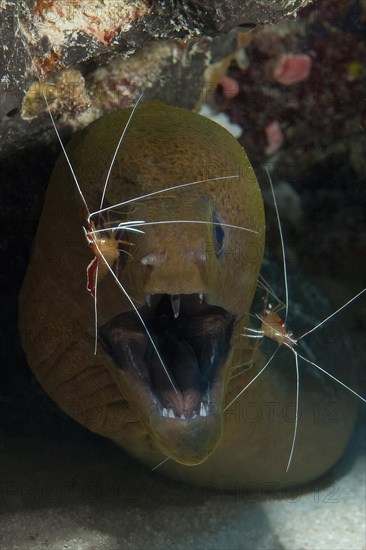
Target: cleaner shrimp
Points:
x,y
274,328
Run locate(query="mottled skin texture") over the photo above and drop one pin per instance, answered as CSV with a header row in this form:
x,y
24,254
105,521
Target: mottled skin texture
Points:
x,y
163,147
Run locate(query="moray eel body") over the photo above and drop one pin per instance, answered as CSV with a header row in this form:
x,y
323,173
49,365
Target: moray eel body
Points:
x,y
193,284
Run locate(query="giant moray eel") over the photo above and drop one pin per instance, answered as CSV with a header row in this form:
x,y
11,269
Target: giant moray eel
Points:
x,y
122,391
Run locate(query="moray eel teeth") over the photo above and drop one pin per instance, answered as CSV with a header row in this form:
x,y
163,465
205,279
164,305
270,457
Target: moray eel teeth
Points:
x,y
175,300
193,339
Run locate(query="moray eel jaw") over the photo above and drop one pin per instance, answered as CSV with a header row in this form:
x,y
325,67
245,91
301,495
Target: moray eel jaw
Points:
x,y
180,393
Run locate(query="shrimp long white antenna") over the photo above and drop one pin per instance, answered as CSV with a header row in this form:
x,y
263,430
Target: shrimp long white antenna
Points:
x,y
253,379
296,410
263,283
331,376
117,149
282,242
159,191
23,38
297,355
161,463
138,315
286,315
64,152
332,315
127,226
161,222
96,312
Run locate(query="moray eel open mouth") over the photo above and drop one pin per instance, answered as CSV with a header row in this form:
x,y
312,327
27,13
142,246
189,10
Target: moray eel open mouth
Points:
x,y
184,385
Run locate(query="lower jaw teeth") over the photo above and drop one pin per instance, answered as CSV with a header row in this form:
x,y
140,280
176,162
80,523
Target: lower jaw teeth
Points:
x,y
169,412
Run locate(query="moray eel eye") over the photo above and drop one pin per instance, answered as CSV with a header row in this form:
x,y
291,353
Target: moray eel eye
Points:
x,y
219,235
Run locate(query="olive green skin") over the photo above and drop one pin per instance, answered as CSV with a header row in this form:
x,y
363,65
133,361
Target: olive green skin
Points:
x,y
163,147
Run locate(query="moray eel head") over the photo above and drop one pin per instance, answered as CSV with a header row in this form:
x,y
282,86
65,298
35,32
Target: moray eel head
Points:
x,y
191,274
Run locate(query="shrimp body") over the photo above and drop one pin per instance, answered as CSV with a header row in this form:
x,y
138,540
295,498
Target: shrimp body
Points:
x,y
106,252
274,328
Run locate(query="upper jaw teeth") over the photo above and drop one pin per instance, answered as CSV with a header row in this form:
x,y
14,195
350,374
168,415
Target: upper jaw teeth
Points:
x,y
175,302
168,412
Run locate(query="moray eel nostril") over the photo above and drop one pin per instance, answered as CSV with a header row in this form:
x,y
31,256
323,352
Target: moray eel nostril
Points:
x,y
191,274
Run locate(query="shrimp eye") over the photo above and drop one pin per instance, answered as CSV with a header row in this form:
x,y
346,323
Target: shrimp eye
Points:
x,y
219,235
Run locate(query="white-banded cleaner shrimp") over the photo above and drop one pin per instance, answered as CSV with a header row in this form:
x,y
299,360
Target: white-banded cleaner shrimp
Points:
x,y
273,327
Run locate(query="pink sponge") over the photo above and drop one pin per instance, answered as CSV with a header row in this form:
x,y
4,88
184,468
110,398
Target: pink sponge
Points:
x,y
230,87
291,68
